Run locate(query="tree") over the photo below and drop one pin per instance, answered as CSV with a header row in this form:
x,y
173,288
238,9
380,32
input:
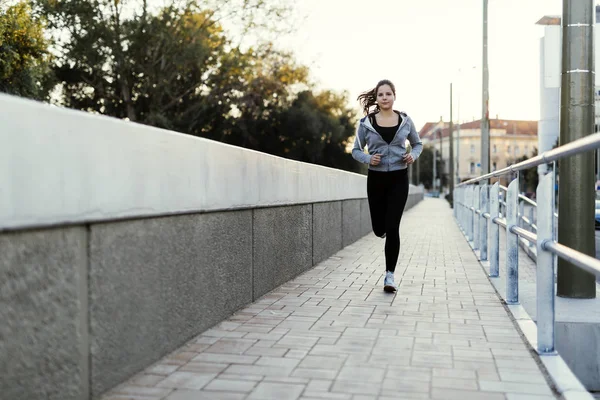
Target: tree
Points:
x,y
425,161
529,177
24,57
318,129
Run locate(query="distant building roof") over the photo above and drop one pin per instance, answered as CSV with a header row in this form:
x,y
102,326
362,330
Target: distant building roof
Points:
x,y
555,19
549,20
426,128
511,127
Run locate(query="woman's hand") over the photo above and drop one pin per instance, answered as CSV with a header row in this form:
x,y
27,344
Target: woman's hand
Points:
x,y
375,159
408,159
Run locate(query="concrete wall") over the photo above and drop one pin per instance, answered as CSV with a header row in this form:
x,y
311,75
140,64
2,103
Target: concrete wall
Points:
x,y
43,311
120,169
113,256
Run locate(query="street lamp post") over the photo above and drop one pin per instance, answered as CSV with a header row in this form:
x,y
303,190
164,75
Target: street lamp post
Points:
x,y
457,132
485,123
451,146
433,184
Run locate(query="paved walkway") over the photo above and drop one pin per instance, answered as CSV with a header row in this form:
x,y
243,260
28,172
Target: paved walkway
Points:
x,y
332,333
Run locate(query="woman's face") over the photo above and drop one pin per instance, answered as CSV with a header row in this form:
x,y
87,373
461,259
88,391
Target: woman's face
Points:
x,y
385,97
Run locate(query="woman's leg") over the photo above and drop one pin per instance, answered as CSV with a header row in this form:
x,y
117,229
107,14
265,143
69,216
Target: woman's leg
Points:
x,y
397,195
376,193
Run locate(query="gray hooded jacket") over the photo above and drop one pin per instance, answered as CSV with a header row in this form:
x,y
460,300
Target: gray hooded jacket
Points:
x,y
391,154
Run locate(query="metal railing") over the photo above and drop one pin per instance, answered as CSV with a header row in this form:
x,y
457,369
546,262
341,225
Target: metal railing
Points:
x,y
478,213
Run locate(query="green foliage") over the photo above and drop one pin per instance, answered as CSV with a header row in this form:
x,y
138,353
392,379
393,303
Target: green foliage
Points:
x,y
23,53
177,68
529,177
425,161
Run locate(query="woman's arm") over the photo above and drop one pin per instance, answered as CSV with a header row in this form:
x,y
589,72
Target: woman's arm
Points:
x,y
359,144
415,141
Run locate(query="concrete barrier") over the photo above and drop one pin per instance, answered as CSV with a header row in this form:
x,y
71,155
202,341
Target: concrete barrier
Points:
x,y
120,242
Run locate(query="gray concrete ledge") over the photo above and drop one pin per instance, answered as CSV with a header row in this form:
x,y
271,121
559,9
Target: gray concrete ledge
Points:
x,y
152,172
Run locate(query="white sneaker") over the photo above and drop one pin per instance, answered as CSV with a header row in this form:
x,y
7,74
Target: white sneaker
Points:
x,y
388,283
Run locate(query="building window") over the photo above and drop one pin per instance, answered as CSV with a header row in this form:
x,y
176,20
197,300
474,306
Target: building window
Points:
x,y
472,168
517,150
494,166
526,149
508,149
494,149
472,149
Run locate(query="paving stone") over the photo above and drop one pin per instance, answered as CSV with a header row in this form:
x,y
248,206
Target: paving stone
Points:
x,y
225,358
196,395
315,373
454,383
362,374
230,385
515,387
318,362
186,380
146,380
319,385
352,387
268,391
455,394
140,391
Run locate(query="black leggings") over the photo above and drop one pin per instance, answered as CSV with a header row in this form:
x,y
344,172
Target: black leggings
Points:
x,y
388,192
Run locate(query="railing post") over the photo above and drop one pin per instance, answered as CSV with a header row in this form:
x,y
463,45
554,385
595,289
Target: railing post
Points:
x,y
483,232
461,215
469,213
522,213
512,243
531,222
463,198
475,225
494,230
454,202
545,266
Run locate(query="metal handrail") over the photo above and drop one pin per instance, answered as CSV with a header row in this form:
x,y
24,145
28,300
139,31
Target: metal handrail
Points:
x,y
527,200
477,211
583,261
525,234
590,142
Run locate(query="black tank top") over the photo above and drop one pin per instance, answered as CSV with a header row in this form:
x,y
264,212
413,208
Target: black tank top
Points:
x,y
386,132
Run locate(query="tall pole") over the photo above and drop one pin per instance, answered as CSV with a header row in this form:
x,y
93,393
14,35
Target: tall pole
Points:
x,y
434,169
576,178
458,143
441,131
485,121
451,145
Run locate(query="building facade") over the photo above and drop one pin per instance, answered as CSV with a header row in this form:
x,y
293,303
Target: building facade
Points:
x,y
510,140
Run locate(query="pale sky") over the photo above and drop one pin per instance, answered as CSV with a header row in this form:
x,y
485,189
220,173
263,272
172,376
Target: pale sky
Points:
x,y
420,45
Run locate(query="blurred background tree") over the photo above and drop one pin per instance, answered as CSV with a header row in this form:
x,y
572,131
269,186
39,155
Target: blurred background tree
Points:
x,y
24,57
